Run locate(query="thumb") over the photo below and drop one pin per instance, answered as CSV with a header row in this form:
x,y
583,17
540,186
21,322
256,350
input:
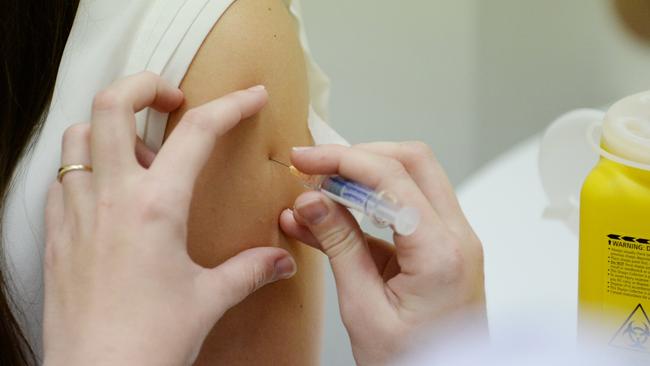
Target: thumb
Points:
x,y
341,238
235,279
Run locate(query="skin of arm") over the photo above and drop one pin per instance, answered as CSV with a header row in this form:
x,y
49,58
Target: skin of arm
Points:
x,y
240,193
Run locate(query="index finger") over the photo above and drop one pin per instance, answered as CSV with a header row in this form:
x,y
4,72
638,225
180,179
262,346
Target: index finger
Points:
x,y
113,135
428,174
183,155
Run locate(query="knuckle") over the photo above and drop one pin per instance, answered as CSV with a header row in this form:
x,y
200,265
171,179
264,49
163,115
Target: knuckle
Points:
x,y
229,108
152,206
148,75
197,118
455,263
75,133
394,168
339,241
107,99
259,277
419,150
50,258
457,266
105,200
147,78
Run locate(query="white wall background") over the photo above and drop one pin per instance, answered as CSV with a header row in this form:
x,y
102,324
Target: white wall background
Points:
x,y
400,70
469,77
538,59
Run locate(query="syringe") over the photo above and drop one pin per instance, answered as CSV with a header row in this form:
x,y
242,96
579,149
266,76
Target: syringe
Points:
x,y
382,208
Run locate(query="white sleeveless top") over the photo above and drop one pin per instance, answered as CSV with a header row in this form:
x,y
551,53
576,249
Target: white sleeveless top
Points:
x,y
111,39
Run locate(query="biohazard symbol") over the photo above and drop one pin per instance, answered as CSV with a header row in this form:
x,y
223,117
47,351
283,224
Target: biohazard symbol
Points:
x,y
634,333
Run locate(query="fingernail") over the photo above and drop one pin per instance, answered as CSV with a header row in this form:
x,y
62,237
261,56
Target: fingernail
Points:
x,y
301,148
284,268
313,212
257,88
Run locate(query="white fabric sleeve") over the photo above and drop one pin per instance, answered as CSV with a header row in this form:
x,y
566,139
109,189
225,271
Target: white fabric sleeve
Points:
x,y
319,88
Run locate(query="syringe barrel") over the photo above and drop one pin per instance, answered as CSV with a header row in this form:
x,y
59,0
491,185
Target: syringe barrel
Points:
x,y
381,208
347,192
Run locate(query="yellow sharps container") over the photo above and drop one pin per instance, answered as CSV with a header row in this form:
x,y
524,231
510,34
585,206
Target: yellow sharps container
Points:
x,y
614,274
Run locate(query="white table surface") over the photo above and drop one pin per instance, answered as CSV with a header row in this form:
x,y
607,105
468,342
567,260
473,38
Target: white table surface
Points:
x,y
531,264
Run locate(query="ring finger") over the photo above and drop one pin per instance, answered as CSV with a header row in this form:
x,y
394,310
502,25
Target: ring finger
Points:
x,y
77,184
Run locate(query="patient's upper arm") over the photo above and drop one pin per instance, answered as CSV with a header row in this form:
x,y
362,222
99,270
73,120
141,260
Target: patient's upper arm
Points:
x,y
240,193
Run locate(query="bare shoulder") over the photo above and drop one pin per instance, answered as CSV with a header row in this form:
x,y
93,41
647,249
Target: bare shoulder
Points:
x,y
240,193
254,42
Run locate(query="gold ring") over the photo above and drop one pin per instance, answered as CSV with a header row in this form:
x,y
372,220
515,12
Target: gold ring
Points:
x,y
71,168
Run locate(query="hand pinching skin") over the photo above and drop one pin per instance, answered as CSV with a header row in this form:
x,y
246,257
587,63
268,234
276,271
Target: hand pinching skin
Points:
x,y
120,287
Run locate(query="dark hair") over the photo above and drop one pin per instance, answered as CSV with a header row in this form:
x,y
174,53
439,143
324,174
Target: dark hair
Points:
x,y
33,35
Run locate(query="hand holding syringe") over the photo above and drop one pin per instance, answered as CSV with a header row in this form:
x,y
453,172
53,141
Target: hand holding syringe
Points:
x,y
382,208
387,293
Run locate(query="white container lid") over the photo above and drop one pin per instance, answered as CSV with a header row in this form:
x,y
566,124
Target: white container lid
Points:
x,y
626,129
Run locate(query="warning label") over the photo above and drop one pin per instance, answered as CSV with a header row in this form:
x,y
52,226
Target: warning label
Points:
x,y
634,334
628,267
